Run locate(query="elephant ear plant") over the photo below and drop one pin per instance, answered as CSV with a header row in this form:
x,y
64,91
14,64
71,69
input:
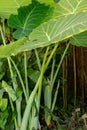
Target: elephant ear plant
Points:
x,y
38,24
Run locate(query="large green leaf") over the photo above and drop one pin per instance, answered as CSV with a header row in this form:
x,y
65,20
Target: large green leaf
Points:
x,y
8,7
51,32
80,39
28,18
67,7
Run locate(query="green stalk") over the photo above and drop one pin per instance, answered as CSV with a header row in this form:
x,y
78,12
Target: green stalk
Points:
x,y
29,106
52,70
47,95
21,80
32,96
11,72
44,67
2,36
38,59
31,124
35,118
12,107
51,55
42,72
18,101
26,77
55,96
40,83
60,63
63,83
18,107
47,91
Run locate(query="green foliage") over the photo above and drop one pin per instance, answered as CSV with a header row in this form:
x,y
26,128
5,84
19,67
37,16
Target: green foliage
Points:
x,y
33,74
65,8
28,18
3,119
9,7
74,22
19,92
47,33
3,103
9,90
12,46
57,30
80,39
2,72
1,92
36,24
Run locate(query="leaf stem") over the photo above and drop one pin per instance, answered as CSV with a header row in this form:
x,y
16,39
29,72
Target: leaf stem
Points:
x,y
42,72
49,59
26,77
59,66
38,59
55,96
32,96
2,36
21,80
52,70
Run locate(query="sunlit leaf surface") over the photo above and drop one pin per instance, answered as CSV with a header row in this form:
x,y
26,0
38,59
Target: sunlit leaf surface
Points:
x,y
67,7
8,7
